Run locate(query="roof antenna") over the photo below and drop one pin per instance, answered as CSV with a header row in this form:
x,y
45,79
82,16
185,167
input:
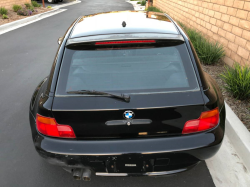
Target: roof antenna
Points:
x,y
124,24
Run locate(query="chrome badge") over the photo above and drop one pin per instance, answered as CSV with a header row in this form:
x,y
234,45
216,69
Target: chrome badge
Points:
x,y
128,114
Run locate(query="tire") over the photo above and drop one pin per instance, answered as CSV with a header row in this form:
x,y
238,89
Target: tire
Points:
x,y
60,0
52,1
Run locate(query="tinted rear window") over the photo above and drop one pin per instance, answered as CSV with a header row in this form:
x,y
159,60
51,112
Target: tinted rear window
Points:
x,y
127,70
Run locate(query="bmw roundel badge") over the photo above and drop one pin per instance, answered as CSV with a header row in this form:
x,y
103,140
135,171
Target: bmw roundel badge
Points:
x,y
128,114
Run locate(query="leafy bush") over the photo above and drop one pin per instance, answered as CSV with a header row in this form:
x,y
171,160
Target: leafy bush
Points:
x,y
153,9
143,3
35,4
16,8
208,52
24,12
32,9
3,11
49,7
139,2
238,81
5,16
28,6
30,12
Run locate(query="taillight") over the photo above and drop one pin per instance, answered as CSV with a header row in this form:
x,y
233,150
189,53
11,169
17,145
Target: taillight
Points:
x,y
125,42
49,127
206,121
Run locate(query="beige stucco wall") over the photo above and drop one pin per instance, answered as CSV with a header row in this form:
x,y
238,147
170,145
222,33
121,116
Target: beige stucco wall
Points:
x,y
9,3
225,21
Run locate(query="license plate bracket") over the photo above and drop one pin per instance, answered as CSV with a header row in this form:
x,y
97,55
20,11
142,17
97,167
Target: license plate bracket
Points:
x,y
129,165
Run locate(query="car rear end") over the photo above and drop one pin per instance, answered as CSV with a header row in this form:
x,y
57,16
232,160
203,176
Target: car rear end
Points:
x,y
174,122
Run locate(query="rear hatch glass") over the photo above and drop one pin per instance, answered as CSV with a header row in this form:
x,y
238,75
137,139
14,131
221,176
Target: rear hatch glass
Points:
x,y
129,69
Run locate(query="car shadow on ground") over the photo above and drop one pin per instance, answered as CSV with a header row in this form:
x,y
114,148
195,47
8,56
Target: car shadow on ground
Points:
x,y
187,178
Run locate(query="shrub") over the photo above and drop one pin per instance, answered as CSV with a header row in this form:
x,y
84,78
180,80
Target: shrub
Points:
x,y
208,52
35,4
49,7
16,8
3,11
28,6
153,9
30,12
5,16
237,81
143,3
23,12
32,9
139,2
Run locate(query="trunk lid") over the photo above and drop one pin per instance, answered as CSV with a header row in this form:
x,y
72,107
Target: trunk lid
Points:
x,y
100,117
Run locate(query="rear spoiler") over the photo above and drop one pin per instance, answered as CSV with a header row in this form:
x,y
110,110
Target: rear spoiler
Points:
x,y
119,37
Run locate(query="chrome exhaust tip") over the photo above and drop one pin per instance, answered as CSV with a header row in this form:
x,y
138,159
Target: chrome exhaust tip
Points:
x,y
77,174
86,174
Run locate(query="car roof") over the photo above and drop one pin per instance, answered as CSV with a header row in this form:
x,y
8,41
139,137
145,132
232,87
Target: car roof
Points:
x,y
123,22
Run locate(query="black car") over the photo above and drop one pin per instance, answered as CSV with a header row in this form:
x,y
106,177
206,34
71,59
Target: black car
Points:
x,y
126,96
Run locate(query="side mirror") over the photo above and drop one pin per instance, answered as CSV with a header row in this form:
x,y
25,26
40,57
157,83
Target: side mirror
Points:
x,y
60,40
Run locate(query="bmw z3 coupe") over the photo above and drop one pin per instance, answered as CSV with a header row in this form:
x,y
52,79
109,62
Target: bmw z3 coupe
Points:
x,y
126,96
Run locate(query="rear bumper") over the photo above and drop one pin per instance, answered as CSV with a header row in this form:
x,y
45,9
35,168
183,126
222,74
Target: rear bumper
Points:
x,y
152,156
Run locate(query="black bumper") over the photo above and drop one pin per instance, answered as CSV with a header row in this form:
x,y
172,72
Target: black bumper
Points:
x,y
152,156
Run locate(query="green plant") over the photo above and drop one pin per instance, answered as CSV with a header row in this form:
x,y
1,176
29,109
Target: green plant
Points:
x,y
3,11
28,5
16,8
153,9
143,3
139,2
208,52
182,25
237,81
32,9
49,7
24,12
35,4
5,16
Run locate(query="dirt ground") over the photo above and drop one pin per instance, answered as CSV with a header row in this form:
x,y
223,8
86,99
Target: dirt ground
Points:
x,y
13,15
241,108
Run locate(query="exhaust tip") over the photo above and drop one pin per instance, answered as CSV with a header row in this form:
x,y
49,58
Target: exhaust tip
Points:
x,y
86,178
77,178
86,174
77,174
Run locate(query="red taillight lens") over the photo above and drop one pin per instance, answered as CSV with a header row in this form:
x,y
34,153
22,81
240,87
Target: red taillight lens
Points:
x,y
207,120
125,42
49,127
